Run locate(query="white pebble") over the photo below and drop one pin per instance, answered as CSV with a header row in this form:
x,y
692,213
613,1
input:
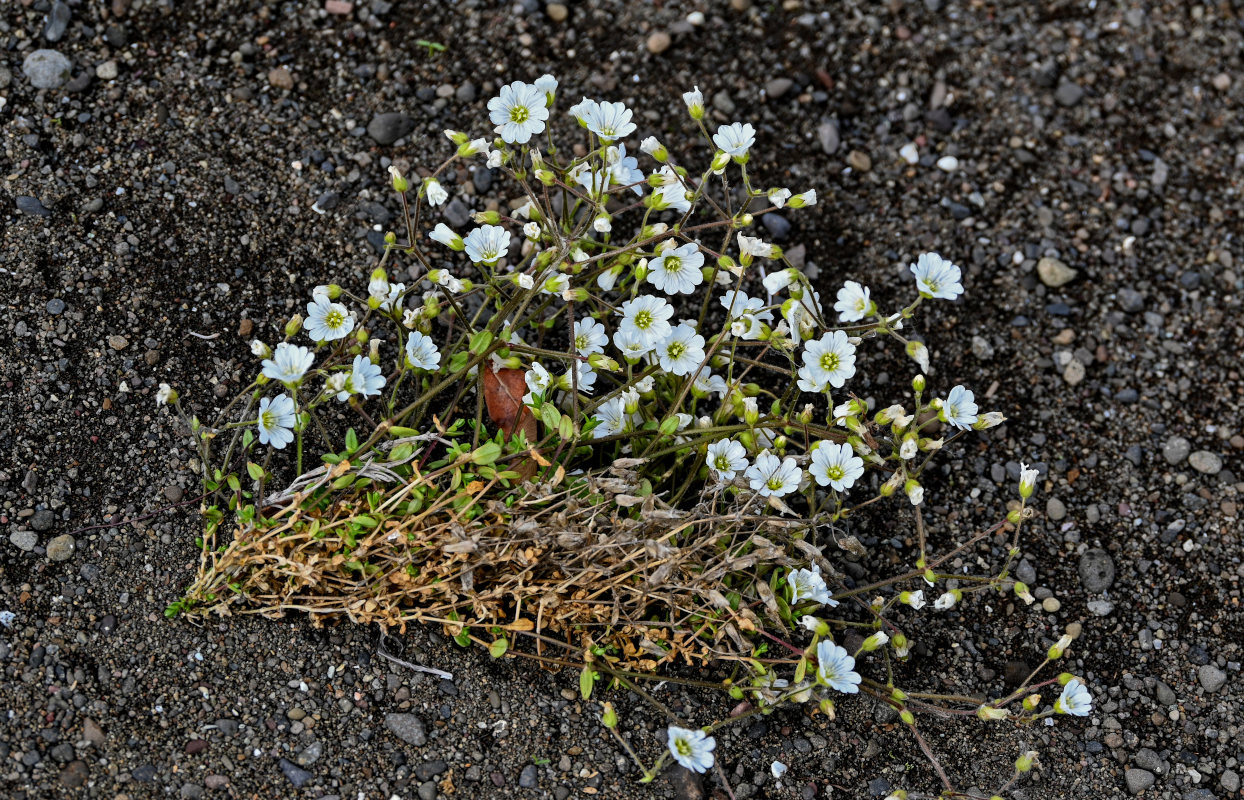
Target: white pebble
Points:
x,y
909,153
948,163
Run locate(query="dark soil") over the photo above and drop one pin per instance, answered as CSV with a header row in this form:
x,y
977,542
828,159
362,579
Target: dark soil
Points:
x,y
156,220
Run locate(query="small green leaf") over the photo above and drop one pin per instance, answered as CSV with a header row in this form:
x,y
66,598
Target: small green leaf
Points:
x,y
234,483
247,438
398,432
480,341
551,416
331,458
669,425
801,669
352,441
254,470
486,453
401,452
343,481
459,361
498,648
587,679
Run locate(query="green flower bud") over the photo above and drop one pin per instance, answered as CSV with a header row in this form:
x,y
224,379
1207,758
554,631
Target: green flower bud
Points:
x,y
293,326
720,160
610,717
907,717
1024,762
917,384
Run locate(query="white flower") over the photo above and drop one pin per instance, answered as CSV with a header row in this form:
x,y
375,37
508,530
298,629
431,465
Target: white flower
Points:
x,y
602,224
165,395
258,348
518,112
807,584
1075,699
707,383
589,337
772,476
777,281
436,193
494,159
914,599
364,378
649,145
609,121
633,345
487,244
693,749
735,139
853,303
677,271
908,449
525,281
682,351
646,318
585,378
959,408
812,380
289,363
547,84
532,230
836,667
422,353
1027,479
830,359
754,247
937,277
695,102
778,197
836,465
328,321
623,169
612,417
945,601
276,421
802,199
391,299
915,492
672,192
539,382
444,234
726,457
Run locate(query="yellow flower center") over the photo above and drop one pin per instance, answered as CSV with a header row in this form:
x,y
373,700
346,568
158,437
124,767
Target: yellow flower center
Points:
x,y
829,362
519,114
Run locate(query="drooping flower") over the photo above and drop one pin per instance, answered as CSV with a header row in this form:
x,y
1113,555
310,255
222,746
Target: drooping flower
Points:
x,y
583,378
937,277
771,476
830,359
726,458
487,244
436,193
945,601
693,749
289,363
672,192
276,421
682,351
518,112
1075,699
778,197
646,318
754,247
609,121
547,84
853,302
914,599
807,584
735,139
959,408
589,337
777,281
444,234
328,321
422,353
836,667
836,465
677,271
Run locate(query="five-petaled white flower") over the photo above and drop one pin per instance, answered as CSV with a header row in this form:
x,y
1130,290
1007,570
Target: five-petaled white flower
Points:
x,y
735,139
812,380
854,302
726,458
836,667
436,193
422,353
682,351
623,169
830,359
646,318
693,749
289,363
677,271
745,314
937,277
633,345
612,417
589,337
518,112
771,476
328,321
487,244
547,84
276,421
807,584
1075,699
959,408
707,383
365,379
609,121
836,465
539,382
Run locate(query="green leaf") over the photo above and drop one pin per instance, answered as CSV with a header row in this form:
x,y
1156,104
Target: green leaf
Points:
x,y
551,416
398,432
459,361
486,453
352,441
498,648
401,452
801,669
480,341
234,483
587,679
247,438
343,481
669,426
254,470
331,458
565,428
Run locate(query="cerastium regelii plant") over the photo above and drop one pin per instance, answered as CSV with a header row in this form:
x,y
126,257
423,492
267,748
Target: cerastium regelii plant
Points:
x,y
612,422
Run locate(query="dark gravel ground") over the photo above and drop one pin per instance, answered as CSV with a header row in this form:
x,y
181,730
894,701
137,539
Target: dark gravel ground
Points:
x,y
166,188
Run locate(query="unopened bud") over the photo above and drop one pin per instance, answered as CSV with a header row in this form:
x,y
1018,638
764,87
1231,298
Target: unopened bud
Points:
x,y
610,717
293,326
400,184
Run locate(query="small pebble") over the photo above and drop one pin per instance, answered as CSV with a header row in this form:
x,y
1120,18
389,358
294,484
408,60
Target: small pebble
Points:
x,y
1096,571
909,153
55,306
106,71
1176,450
1051,604
658,42
61,548
281,78
1206,462
1138,780
1055,273
1212,679
557,11
948,163
47,69
118,342
859,161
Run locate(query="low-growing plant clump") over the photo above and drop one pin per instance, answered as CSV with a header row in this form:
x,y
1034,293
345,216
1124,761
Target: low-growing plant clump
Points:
x,y
609,427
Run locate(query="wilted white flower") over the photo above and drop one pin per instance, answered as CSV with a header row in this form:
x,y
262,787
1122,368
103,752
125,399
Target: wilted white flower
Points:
x,y
258,348
914,599
328,321
165,395
777,281
937,277
753,247
289,363
436,193
693,749
276,421
726,458
835,465
946,601
778,197
518,112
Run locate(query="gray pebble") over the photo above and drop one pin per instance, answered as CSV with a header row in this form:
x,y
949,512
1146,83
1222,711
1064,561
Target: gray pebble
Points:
x,y
24,540
1026,572
310,754
327,201
1166,696
295,774
457,214
1054,273
1055,509
528,777
55,306
1212,679
31,205
389,127
43,520
47,69
981,348
1230,781
1206,462
407,727
1131,300
827,133
58,21
61,548
1176,450
1068,94
1100,608
482,179
777,87
1096,570
778,226
430,770
723,103
465,93
1138,780
1148,759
